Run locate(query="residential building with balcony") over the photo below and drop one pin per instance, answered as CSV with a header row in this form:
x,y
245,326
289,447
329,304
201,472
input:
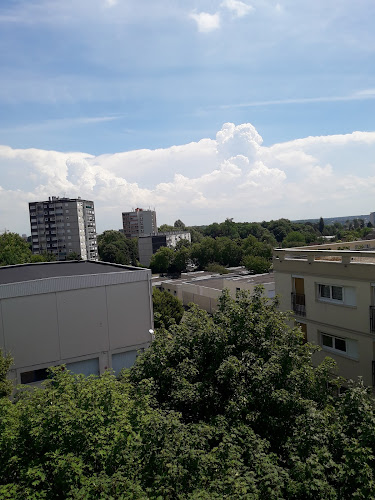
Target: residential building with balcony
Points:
x,y
331,290
62,226
139,222
91,316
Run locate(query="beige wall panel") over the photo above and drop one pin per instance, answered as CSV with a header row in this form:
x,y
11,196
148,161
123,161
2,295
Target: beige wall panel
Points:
x,y
203,302
83,324
283,284
346,367
30,329
187,297
355,318
129,314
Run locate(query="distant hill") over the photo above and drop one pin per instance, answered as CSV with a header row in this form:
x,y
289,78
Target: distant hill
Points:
x,y
341,220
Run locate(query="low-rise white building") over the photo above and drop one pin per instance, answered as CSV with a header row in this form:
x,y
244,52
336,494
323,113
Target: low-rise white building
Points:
x,y
150,244
204,289
91,316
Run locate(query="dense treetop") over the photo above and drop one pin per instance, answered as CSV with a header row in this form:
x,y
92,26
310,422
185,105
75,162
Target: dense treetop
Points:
x,y
230,244
114,247
15,250
222,406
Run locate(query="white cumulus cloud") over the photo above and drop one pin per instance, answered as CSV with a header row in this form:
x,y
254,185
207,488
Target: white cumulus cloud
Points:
x,y
238,8
206,22
233,175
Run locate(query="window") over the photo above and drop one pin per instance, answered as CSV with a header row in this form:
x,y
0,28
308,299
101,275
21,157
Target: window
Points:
x,y
336,343
331,292
34,376
339,345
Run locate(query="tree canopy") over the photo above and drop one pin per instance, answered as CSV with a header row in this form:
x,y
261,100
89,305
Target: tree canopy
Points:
x,y
13,250
221,406
167,308
114,247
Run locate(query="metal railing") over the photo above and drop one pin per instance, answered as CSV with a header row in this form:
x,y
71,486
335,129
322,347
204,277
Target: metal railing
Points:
x,y
372,319
299,304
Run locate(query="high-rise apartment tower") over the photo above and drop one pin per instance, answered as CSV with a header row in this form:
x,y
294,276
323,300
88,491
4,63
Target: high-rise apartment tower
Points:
x,y
62,226
139,223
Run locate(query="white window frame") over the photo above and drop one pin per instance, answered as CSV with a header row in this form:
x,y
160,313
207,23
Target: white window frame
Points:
x,y
331,298
351,345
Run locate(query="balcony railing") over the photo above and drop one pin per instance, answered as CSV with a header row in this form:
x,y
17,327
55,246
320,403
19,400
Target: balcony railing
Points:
x,y
372,319
299,304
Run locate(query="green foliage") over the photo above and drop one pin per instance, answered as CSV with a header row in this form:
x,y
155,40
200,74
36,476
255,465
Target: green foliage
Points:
x,y
114,247
214,267
223,406
162,260
246,371
181,259
73,256
44,257
167,308
294,239
13,250
321,225
179,225
166,228
6,385
257,265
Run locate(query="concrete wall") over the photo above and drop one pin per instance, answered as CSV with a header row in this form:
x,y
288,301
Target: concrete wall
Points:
x,y
206,296
67,326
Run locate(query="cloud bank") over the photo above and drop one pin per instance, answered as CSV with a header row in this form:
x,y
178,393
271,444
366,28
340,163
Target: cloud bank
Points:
x,y
233,175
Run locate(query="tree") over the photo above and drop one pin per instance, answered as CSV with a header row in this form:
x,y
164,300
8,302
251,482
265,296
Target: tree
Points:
x,y
227,252
73,256
227,405
166,228
203,253
162,260
321,225
181,259
294,239
179,225
114,247
255,264
6,385
167,308
245,370
44,257
13,250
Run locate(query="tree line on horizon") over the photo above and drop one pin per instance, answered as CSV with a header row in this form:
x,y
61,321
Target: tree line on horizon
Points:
x,y
213,247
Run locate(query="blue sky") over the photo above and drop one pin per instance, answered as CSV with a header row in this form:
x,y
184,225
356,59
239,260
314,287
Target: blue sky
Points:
x,y
106,77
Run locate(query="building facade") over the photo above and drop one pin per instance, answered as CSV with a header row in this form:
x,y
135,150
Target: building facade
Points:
x,y
91,316
331,290
62,226
139,222
205,289
148,245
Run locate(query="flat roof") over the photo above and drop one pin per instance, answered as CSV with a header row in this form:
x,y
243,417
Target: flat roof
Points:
x,y
218,281
41,270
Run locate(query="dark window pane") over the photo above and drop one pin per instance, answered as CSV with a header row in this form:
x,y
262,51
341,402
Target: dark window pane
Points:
x,y
34,376
340,344
337,292
324,291
327,341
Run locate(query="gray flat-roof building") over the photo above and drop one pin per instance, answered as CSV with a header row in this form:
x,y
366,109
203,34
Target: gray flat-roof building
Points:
x,y
91,316
62,226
